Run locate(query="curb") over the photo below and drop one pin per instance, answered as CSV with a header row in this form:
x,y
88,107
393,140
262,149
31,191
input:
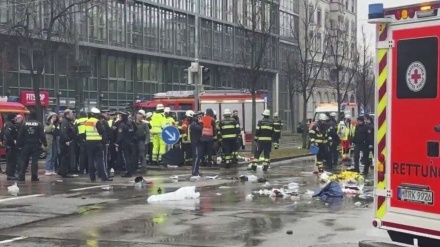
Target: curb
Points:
x,y
377,244
241,164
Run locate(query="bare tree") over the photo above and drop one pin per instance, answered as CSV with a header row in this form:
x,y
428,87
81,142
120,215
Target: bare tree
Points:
x,y
305,64
256,27
365,75
38,25
343,60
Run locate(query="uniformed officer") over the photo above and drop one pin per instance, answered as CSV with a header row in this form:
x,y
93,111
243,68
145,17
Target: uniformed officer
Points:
x,y
10,133
124,143
158,122
111,147
67,145
185,137
149,140
142,132
239,142
361,139
228,131
108,130
333,156
318,137
81,130
96,142
277,124
263,137
30,138
195,132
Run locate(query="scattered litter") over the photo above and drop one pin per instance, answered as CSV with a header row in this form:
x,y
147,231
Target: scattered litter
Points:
x,y
106,187
194,178
13,189
211,177
219,194
250,178
309,192
224,187
294,187
266,184
75,175
172,166
290,232
358,204
262,180
112,170
140,182
295,198
183,193
249,197
59,180
174,177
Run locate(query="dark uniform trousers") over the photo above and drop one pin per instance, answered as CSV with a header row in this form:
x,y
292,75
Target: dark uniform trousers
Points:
x,y
276,139
365,156
333,155
126,154
197,151
30,151
228,149
83,163
187,152
11,160
95,158
208,147
264,147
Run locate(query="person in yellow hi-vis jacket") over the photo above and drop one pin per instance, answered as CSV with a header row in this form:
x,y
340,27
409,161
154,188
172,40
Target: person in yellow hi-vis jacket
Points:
x,y
158,122
345,131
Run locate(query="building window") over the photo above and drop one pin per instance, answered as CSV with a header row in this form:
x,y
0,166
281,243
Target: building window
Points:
x,y
311,14
319,18
217,41
151,27
206,39
228,44
206,7
166,31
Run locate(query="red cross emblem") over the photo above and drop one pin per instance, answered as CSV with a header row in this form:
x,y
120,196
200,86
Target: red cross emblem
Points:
x,y
416,76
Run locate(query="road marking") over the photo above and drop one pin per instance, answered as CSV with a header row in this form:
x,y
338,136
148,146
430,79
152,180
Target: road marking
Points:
x,y
87,188
19,197
12,240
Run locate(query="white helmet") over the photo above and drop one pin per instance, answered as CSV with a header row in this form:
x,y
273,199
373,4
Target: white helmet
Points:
x,y
276,114
141,112
347,116
159,107
266,112
189,113
333,114
167,110
322,117
95,110
149,114
227,112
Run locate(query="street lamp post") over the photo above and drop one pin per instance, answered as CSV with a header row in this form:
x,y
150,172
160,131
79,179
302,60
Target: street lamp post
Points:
x,y
58,102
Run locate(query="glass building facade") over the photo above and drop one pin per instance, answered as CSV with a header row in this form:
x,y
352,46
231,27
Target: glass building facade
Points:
x,y
136,48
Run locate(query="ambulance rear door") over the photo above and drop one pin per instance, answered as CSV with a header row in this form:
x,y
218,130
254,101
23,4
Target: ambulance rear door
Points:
x,y
413,158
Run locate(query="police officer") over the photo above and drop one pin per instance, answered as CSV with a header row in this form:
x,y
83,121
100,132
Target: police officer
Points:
x,y
369,122
195,132
124,143
142,132
30,138
332,160
361,141
149,139
263,137
81,130
318,137
111,148
10,133
96,142
185,137
228,131
67,145
277,124
108,130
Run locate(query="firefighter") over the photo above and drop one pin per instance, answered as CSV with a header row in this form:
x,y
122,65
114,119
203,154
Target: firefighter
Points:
x,y
185,140
10,133
216,147
277,124
319,138
361,139
81,139
228,131
124,143
370,124
158,122
344,131
263,137
208,132
30,138
332,160
96,142
195,135
239,142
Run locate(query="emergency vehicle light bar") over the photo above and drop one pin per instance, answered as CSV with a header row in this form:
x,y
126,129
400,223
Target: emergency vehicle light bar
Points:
x,y
174,94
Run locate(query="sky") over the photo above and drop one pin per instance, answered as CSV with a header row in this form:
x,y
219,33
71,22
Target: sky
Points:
x,y
363,14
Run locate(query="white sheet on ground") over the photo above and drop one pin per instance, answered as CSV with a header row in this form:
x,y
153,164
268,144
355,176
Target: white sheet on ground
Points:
x,y
183,193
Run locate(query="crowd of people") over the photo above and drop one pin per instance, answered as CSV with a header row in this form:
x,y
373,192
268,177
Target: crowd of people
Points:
x,y
335,140
101,143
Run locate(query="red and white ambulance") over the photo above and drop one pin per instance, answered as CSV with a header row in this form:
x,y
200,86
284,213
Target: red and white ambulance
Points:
x,y
407,171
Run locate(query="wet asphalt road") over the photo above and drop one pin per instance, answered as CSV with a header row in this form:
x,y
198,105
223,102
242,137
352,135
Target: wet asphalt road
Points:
x,y
77,212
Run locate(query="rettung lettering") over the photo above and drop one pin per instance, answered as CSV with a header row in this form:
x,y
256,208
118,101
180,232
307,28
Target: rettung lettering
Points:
x,y
426,171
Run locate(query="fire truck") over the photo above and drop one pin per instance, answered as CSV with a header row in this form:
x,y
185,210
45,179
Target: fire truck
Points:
x,y
407,152
217,100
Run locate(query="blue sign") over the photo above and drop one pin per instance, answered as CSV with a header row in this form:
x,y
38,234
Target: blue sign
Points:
x,y
170,135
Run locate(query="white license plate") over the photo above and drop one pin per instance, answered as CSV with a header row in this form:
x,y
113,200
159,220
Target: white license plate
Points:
x,y
414,195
